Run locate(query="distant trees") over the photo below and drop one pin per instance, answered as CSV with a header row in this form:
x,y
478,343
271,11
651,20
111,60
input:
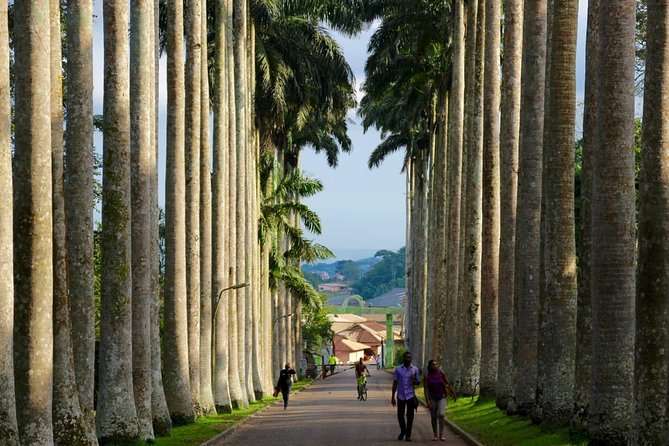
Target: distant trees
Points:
x,y
385,275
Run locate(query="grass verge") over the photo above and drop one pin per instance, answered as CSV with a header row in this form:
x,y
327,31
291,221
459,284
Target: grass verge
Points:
x,y
208,427
493,427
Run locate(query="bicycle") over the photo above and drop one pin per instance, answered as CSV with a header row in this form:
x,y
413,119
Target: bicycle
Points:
x,y
362,388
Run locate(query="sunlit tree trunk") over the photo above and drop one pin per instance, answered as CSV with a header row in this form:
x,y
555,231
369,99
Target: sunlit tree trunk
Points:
x,y
528,233
491,202
141,122
79,198
236,394
206,294
583,382
455,135
162,424
613,231
220,215
33,249
69,424
509,140
175,352
193,109
239,52
116,413
559,293
9,434
471,310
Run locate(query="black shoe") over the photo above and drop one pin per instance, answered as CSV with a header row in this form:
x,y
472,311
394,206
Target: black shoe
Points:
x,y
407,439
400,437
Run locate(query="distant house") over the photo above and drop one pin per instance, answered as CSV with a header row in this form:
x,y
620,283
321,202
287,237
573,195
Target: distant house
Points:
x,y
339,277
393,298
348,351
335,288
324,275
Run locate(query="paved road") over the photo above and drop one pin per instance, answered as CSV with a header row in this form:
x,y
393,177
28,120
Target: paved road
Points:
x,y
328,414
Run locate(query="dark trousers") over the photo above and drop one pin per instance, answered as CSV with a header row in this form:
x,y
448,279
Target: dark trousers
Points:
x,y
285,392
405,407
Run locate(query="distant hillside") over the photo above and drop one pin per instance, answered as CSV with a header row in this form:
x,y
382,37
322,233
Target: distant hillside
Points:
x,y
352,270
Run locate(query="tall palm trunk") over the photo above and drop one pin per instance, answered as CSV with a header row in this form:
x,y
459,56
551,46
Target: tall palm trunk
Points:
x,y
430,254
583,384
8,428
248,206
220,216
652,332
559,292
141,88
455,135
491,202
33,261
116,413
193,109
70,427
471,310
79,197
528,233
240,43
509,140
175,360
234,369
613,231
206,294
440,218
162,424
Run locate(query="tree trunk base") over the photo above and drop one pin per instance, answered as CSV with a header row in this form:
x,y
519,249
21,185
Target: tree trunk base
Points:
x,y
226,408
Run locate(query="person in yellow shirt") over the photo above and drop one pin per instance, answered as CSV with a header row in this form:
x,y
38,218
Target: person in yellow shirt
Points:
x,y
333,363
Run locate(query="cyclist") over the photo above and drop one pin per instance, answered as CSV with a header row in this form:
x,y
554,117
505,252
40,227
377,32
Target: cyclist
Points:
x,y
361,374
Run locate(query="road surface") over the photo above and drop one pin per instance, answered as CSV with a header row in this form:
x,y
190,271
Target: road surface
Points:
x,y
328,414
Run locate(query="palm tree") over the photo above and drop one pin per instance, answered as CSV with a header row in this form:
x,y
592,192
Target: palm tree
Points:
x,y
559,293
162,424
207,405
116,413
33,267
69,424
234,380
8,427
175,368
528,233
491,203
652,368
509,140
613,231
141,125
79,197
220,257
470,311
455,135
193,108
583,379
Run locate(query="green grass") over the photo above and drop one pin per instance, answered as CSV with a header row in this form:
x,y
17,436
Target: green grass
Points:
x,y
208,427
492,427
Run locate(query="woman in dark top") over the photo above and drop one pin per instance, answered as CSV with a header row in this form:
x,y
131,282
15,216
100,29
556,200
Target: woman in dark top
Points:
x,y
284,383
437,390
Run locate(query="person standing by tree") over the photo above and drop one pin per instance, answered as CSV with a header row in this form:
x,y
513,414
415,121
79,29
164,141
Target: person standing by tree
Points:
x,y
405,378
437,389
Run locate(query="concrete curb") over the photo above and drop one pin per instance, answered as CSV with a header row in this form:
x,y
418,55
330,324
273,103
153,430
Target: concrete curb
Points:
x,y
232,429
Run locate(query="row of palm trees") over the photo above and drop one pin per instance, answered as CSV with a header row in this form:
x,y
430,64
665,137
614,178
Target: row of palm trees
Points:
x,y
498,289
210,332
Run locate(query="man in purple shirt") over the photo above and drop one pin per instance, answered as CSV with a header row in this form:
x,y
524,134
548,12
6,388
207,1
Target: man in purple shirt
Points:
x,y
406,377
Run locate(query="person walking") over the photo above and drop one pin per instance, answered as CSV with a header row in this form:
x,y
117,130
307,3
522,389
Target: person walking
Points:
x,y
333,363
437,390
284,384
405,378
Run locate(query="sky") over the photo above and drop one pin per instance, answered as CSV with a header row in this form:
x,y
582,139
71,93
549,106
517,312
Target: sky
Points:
x,y
362,210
